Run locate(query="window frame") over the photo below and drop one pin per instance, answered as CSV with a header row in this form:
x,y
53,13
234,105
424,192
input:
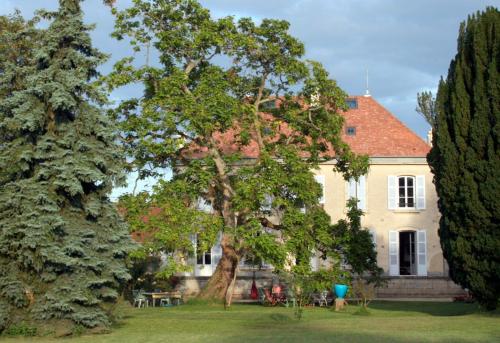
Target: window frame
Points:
x,y
406,187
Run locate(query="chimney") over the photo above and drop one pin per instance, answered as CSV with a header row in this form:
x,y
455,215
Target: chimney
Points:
x,y
429,137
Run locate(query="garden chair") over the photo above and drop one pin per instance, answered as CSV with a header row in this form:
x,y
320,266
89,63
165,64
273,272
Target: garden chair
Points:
x,y
323,301
165,302
320,298
269,297
140,299
176,298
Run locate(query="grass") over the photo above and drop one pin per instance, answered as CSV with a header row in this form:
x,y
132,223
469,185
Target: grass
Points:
x,y
386,322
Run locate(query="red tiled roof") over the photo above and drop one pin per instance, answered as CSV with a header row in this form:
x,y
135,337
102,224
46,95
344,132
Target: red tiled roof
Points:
x,y
379,133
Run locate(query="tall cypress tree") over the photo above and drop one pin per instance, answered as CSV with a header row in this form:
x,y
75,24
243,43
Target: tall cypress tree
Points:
x,y
465,158
62,243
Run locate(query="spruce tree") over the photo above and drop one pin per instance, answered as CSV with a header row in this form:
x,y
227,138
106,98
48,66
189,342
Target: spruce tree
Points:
x,y
465,158
62,242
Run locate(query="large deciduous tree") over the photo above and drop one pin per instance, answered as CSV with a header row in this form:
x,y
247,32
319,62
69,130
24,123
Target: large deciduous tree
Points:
x,y
62,243
465,158
426,107
243,120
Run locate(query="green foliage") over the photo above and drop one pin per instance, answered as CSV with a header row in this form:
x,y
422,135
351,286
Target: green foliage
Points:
x,y
62,243
202,115
356,246
465,158
426,107
21,329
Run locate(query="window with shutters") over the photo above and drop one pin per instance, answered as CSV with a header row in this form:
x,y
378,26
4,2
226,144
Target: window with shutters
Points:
x,y
357,189
406,192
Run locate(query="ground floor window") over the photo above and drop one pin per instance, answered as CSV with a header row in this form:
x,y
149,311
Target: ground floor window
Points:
x,y
203,258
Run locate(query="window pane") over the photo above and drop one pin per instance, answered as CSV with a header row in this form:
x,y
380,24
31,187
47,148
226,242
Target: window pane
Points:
x,y
401,182
199,259
208,258
401,192
410,192
409,182
401,202
352,103
411,203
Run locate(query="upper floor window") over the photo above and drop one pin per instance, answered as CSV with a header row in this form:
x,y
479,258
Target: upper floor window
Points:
x,y
406,191
352,103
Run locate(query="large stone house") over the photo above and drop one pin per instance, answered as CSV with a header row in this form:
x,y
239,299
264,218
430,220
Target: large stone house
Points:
x,y
399,203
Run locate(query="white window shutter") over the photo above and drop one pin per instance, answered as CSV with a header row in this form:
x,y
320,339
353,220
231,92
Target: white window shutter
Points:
x,y
216,252
314,262
421,253
393,253
420,192
321,180
351,189
361,193
391,192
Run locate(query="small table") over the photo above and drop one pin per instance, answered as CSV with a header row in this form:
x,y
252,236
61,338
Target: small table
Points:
x,y
163,295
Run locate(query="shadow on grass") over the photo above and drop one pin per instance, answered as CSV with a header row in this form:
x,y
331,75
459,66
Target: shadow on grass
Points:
x,y
442,309
279,317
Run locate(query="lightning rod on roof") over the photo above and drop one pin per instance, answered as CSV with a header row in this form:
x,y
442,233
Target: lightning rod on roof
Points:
x,y
367,93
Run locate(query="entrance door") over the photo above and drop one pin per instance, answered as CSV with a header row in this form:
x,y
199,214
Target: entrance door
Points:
x,y
407,255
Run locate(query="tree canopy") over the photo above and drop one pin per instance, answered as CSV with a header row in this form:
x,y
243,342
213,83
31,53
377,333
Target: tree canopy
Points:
x,y
234,109
62,242
465,158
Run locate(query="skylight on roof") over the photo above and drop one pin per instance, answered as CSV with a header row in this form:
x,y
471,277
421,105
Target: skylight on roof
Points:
x,y
351,131
352,103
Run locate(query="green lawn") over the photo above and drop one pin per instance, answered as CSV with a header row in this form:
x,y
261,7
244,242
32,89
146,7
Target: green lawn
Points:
x,y
387,322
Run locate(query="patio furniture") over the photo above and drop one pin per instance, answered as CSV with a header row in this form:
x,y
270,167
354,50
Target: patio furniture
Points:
x,y
165,298
279,296
155,296
320,298
165,302
140,299
176,298
265,297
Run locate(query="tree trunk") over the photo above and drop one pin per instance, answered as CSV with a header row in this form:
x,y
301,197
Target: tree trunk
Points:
x,y
224,276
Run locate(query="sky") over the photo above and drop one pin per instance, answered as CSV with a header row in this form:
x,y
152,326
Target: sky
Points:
x,y
405,45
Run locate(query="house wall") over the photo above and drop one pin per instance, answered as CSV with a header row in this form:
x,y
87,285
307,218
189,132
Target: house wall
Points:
x,y
378,217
